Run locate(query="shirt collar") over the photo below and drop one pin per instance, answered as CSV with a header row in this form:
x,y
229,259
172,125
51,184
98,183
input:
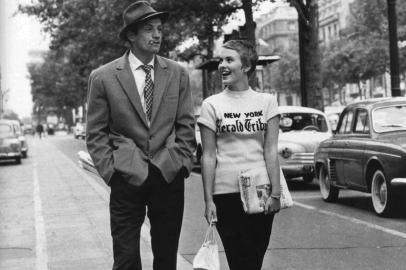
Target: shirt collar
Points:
x,y
135,63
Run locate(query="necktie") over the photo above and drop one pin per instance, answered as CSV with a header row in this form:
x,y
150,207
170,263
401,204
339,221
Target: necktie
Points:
x,y
148,90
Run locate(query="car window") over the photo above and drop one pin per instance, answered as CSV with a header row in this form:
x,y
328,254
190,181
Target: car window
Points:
x,y
361,122
391,118
5,130
345,126
302,121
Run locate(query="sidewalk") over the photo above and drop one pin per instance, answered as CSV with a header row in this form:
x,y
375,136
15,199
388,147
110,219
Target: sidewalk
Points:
x,y
54,215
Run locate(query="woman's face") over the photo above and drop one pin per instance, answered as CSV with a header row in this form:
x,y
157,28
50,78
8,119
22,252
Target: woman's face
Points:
x,y
231,68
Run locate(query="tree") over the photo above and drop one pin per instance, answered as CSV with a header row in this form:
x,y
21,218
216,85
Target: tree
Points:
x,y
285,73
309,52
84,36
401,15
362,52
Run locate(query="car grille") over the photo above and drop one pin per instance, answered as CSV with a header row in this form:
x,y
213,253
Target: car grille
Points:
x,y
303,157
333,170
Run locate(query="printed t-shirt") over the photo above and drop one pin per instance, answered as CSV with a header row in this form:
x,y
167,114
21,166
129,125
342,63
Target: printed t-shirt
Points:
x,y
239,120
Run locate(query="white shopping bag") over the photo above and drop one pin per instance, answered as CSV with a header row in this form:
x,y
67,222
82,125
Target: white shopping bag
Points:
x,y
286,198
207,258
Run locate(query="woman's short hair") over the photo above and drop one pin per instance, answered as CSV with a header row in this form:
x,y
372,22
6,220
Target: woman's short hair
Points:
x,y
246,51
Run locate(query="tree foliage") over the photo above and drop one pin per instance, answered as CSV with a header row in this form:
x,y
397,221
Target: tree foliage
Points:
x,y
84,36
285,73
363,51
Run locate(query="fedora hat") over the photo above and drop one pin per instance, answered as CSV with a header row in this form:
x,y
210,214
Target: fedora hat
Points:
x,y
137,12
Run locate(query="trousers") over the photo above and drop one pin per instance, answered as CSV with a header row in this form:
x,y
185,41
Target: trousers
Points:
x,y
245,237
163,203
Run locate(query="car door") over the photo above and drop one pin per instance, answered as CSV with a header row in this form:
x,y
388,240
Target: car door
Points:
x,y
353,156
338,146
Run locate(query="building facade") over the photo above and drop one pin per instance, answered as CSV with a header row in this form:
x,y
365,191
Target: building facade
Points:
x,y
277,32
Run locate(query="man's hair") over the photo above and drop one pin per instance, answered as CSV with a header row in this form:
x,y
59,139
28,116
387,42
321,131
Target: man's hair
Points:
x,y
133,29
246,51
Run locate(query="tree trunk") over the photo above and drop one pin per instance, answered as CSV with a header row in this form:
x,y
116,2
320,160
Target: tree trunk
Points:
x,y
250,33
249,21
312,62
309,54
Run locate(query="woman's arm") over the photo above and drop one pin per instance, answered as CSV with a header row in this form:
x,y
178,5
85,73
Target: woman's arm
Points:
x,y
208,163
272,164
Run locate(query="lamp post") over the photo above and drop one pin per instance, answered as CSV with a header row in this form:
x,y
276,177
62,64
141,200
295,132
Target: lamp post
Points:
x,y
393,48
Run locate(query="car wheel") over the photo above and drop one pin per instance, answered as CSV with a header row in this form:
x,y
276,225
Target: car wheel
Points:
x,y
328,192
308,178
18,160
382,197
24,154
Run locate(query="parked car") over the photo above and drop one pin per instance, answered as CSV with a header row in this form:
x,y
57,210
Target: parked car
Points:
x,y
28,129
79,130
301,130
367,153
10,145
21,138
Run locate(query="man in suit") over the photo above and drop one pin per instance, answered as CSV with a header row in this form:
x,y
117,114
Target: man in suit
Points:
x,y
140,135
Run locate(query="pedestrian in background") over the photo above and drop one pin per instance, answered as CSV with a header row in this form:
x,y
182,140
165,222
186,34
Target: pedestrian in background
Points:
x,y
140,135
40,130
239,130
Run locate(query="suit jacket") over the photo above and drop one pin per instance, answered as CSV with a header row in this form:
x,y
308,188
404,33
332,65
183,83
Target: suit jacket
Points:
x,y
118,137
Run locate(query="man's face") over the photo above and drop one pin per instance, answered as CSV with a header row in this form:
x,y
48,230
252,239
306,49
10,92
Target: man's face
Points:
x,y
147,40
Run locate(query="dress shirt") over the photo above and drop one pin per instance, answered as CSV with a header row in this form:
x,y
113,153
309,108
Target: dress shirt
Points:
x,y
139,76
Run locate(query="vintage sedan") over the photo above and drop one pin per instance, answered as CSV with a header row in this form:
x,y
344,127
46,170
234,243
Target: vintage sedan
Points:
x,y
301,130
10,145
21,137
367,153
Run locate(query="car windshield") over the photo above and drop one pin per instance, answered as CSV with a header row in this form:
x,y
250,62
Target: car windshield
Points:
x,y
391,118
5,130
302,121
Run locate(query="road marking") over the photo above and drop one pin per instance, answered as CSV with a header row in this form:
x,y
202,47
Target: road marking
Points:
x,y
41,239
303,197
351,219
354,220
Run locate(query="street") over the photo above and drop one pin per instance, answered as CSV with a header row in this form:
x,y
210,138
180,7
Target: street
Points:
x,y
54,215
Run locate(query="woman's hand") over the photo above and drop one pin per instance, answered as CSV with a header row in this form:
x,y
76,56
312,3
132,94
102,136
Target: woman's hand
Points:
x,y
272,206
211,212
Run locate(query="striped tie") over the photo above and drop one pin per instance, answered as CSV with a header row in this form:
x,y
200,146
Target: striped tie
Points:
x,y
148,90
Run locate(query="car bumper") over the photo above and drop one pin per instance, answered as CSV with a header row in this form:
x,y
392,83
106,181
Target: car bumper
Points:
x,y
10,155
398,182
299,164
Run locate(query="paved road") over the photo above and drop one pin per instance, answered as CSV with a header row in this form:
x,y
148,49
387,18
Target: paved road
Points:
x,y
310,235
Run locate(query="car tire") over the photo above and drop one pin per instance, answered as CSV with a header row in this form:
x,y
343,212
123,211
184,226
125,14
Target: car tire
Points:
x,y
18,160
308,178
382,196
328,192
24,154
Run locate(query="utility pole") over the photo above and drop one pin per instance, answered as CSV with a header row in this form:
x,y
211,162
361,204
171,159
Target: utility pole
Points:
x,y
393,48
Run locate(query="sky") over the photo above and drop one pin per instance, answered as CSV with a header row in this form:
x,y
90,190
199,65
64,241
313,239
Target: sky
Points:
x,y
18,35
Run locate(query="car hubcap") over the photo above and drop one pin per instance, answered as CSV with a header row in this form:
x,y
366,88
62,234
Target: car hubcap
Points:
x,y
379,193
325,186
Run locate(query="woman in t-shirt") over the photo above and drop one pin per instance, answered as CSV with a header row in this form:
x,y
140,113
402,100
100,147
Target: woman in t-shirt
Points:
x,y
239,130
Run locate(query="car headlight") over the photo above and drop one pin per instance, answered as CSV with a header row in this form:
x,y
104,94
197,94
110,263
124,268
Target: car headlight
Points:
x,y
286,152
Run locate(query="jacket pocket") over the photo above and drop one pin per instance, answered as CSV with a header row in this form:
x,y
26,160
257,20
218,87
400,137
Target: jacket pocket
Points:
x,y
124,159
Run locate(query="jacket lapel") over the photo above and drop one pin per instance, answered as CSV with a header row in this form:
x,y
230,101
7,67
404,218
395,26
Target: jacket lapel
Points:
x,y
161,78
127,82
